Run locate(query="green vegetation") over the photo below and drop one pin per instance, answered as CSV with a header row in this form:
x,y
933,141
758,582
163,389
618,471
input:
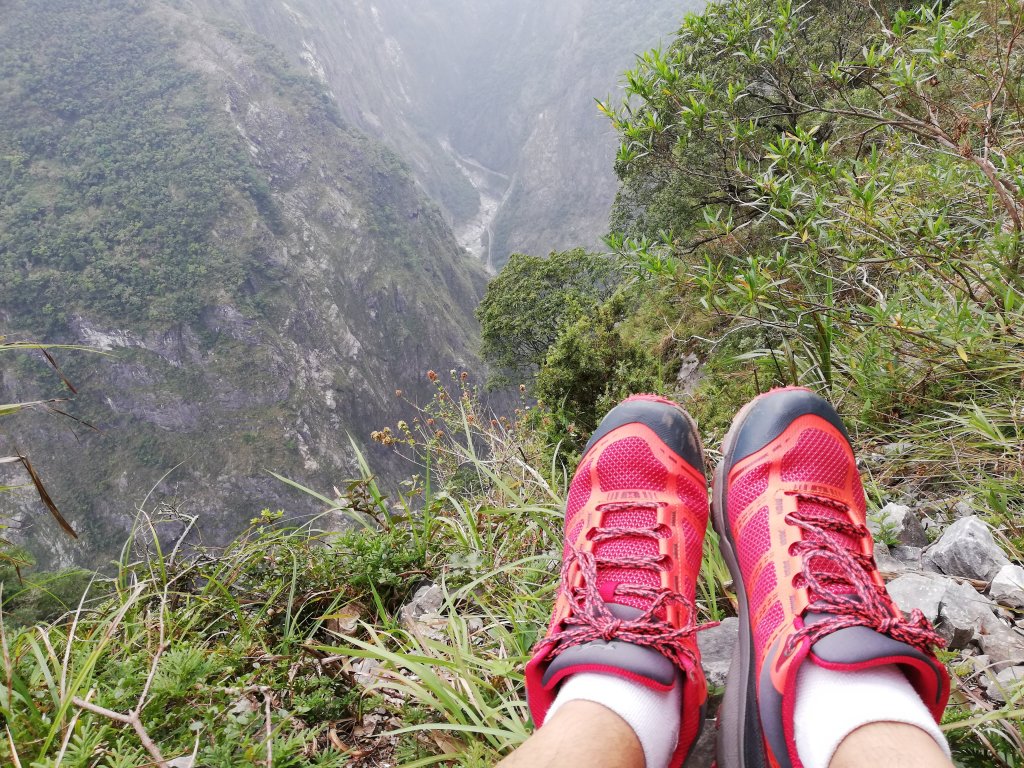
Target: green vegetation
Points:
x,y
112,174
180,194
534,299
814,195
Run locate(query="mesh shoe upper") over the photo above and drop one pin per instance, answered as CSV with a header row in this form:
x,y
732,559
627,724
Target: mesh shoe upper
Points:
x,y
635,520
790,508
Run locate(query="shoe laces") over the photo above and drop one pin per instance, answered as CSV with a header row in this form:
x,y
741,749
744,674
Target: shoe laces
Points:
x,y
591,620
845,590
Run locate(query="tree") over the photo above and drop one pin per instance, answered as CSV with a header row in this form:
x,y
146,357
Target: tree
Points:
x,y
533,299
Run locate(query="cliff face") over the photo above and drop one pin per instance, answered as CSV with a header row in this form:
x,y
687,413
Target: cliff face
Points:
x,y
491,103
314,279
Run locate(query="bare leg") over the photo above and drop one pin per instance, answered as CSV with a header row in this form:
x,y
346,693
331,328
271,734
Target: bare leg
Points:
x,y
580,733
889,745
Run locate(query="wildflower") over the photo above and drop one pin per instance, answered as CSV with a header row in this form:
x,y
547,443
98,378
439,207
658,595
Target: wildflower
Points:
x,y
403,426
522,388
398,393
432,375
470,418
464,375
430,422
439,434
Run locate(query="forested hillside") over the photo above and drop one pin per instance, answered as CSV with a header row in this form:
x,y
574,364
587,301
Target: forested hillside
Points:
x,y
263,276
827,194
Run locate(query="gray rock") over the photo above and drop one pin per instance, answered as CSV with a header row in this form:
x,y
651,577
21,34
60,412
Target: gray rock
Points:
x,y
716,649
690,374
981,663
422,614
703,754
963,508
887,564
1007,586
1003,644
1006,685
911,556
899,522
919,590
963,612
967,549
897,449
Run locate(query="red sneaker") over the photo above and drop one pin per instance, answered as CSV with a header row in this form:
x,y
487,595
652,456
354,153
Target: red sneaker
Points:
x,y
634,530
789,511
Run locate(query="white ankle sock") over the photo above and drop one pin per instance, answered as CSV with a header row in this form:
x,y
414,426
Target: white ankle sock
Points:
x,y
653,715
831,705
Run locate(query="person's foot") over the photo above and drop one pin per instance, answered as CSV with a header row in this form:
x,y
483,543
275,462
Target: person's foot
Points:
x,y
789,510
634,530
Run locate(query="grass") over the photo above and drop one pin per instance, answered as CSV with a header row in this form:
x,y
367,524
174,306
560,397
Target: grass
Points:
x,y
279,650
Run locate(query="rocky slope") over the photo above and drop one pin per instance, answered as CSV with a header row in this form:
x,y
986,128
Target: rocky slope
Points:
x,y
317,279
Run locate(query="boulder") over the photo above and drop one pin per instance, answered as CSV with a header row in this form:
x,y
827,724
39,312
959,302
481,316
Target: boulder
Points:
x,y
919,590
887,564
1007,586
967,549
716,648
910,556
1003,644
1006,685
963,613
899,522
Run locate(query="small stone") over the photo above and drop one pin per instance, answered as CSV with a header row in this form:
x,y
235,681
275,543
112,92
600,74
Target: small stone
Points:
x,y
910,556
1007,586
967,549
899,522
963,508
918,590
981,663
897,449
716,649
887,564
1006,685
690,374
422,615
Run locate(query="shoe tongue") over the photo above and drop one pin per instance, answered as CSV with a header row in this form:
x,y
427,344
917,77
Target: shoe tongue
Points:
x,y
824,565
623,549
